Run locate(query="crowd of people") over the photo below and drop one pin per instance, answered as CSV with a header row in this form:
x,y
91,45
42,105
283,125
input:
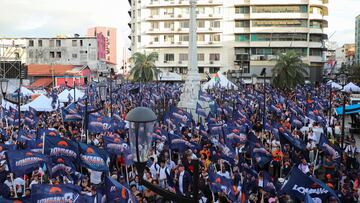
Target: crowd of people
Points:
x,y
249,148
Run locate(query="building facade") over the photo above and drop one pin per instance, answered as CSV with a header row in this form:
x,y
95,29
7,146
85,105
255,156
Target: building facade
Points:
x,y
237,37
110,41
345,55
357,40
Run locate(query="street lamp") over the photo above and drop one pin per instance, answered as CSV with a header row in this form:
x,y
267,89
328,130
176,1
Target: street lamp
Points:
x,y
254,81
263,73
343,80
102,96
4,86
142,122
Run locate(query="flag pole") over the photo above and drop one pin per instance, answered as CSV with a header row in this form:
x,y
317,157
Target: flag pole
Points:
x,y
13,184
127,174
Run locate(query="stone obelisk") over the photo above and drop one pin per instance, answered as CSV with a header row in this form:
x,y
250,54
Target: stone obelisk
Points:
x,y
189,96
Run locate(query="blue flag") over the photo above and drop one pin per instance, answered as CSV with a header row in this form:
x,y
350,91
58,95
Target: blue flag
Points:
x,y
115,145
285,138
99,124
300,184
200,111
60,147
177,142
55,193
308,199
330,149
22,162
61,166
117,193
220,183
35,145
93,158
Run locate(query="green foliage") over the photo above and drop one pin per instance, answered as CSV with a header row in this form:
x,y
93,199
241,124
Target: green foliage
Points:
x,y
144,69
289,71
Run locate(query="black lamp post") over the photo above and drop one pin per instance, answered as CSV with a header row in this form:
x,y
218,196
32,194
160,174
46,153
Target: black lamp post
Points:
x,y
102,93
73,87
263,73
343,80
4,83
142,121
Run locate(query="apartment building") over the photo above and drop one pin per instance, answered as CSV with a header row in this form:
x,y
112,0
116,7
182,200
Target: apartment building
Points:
x,y
345,55
110,41
237,37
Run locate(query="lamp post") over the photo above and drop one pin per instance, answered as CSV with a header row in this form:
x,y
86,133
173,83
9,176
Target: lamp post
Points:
x,y
343,80
142,122
4,83
73,87
102,92
263,73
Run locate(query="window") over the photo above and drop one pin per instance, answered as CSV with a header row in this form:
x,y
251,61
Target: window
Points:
x,y
74,43
31,43
31,54
169,57
242,23
201,69
279,37
201,57
58,54
183,57
58,43
40,43
200,10
81,43
183,38
200,37
214,69
315,52
52,54
154,12
139,39
279,9
214,57
215,38
201,23
242,38
169,11
74,56
279,23
51,43
108,33
168,24
184,24
155,25
242,9
276,51
215,24
169,38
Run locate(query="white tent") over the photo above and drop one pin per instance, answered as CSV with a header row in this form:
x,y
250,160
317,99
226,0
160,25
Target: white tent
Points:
x,y
334,85
41,103
25,91
351,87
219,80
170,76
64,95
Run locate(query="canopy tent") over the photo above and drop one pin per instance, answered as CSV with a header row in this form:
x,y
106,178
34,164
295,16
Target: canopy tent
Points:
x,y
334,85
64,95
24,91
219,80
351,109
41,103
351,87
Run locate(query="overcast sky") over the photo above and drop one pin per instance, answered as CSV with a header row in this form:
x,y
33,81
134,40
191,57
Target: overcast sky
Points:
x,y
48,18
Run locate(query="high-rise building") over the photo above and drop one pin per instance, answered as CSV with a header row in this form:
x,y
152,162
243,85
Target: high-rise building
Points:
x,y
345,55
238,37
357,40
110,40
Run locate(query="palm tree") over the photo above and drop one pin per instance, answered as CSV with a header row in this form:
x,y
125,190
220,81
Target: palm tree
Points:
x,y
289,71
144,69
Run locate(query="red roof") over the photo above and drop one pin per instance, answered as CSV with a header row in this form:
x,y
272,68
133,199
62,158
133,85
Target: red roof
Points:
x,y
42,82
48,70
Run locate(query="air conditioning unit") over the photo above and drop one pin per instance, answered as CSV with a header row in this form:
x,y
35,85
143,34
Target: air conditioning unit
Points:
x,y
151,29
172,29
211,42
210,29
172,15
180,62
151,42
150,16
180,2
172,42
179,43
210,15
211,62
179,16
179,29
211,1
165,61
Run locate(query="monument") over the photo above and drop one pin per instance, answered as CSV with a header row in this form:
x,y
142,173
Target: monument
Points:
x,y
190,94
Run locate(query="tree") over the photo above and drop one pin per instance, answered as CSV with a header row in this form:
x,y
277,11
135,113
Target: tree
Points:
x,y
144,69
354,73
289,71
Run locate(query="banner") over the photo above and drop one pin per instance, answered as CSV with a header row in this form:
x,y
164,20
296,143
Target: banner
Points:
x,y
22,162
115,145
61,166
117,193
93,158
60,147
42,193
300,184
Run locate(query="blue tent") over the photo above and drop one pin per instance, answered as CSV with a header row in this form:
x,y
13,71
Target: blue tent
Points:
x,y
351,109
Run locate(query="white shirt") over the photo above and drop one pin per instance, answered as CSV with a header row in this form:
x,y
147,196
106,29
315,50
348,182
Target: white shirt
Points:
x,y
304,168
153,170
350,151
95,177
162,173
181,175
225,174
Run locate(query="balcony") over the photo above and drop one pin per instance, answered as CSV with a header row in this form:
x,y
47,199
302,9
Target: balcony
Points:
x,y
279,16
280,2
182,44
183,3
315,45
316,59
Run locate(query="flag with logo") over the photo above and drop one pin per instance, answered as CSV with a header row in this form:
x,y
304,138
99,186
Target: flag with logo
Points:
x,y
22,162
117,193
220,183
56,193
93,158
31,118
35,145
61,166
115,145
200,111
300,184
177,142
330,149
99,124
60,147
